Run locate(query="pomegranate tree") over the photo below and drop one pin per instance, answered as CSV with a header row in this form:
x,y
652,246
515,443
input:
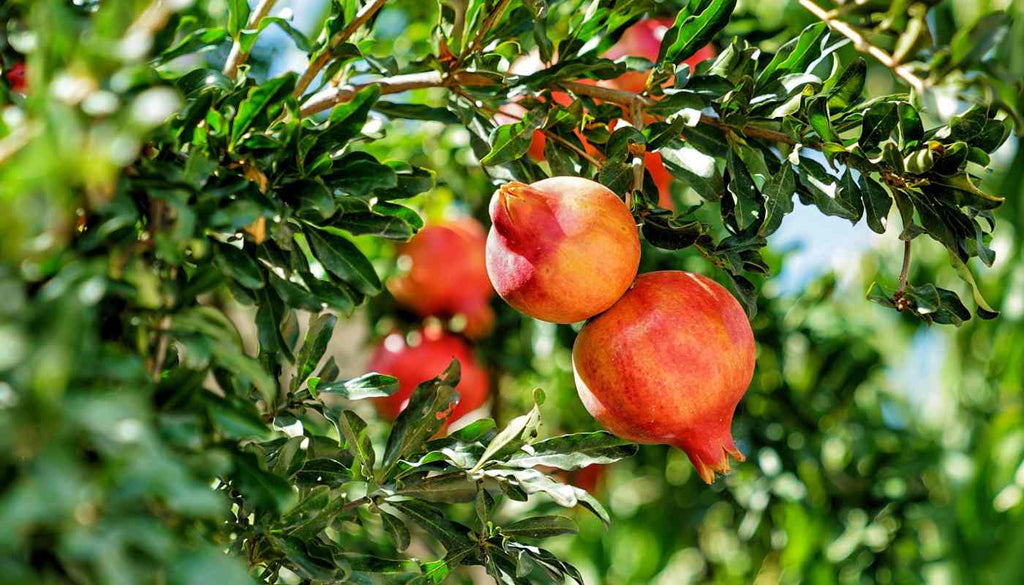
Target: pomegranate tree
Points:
x,y
668,364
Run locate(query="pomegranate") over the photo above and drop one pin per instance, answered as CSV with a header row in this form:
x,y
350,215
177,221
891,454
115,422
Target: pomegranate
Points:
x,y
413,364
561,250
643,39
447,274
16,77
668,364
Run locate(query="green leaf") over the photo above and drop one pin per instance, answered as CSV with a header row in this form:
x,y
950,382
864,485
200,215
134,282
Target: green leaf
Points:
x,y
238,16
357,439
818,116
512,141
520,431
239,266
416,112
428,408
778,193
691,32
877,203
849,86
984,310
911,128
574,451
741,185
265,98
341,257
533,481
203,39
370,385
322,471
345,122
321,328
449,488
397,529
669,233
617,176
269,317
454,537
695,168
879,122
539,527
795,55
263,491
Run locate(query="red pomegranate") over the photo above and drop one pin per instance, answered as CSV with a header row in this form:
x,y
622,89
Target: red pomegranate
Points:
x,y
668,364
16,77
422,361
643,39
446,274
561,250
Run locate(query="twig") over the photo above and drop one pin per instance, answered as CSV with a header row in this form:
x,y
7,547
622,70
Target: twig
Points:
x,y
324,58
161,348
615,96
862,45
905,272
636,114
597,164
355,504
336,95
237,56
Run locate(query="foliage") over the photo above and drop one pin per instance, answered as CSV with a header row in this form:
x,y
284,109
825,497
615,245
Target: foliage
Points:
x,y
148,192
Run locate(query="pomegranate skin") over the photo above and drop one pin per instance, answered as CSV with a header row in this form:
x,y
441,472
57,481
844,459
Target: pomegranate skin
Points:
x,y
561,250
643,39
16,77
413,365
668,364
447,275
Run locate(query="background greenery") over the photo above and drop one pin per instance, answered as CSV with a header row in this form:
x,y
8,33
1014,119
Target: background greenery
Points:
x,y
879,448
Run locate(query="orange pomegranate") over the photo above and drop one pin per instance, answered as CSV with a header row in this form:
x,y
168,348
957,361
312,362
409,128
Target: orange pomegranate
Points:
x,y
561,250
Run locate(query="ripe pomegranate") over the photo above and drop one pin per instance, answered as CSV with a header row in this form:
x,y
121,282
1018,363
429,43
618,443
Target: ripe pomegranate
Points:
x,y
16,77
668,364
413,364
643,39
447,274
561,250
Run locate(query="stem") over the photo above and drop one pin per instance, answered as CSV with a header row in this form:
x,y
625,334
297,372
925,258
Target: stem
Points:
x,y
597,164
355,504
905,272
161,348
237,57
636,111
321,61
862,45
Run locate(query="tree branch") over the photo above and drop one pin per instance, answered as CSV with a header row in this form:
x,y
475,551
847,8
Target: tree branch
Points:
x,y
862,44
332,96
321,61
237,57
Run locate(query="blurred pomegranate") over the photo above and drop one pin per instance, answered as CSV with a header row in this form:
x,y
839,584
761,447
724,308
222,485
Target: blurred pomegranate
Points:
x,y
422,361
643,39
445,274
16,77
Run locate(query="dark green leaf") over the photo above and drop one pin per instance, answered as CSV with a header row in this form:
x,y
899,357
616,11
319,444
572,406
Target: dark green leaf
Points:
x,y
344,260
539,527
574,451
370,385
691,32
